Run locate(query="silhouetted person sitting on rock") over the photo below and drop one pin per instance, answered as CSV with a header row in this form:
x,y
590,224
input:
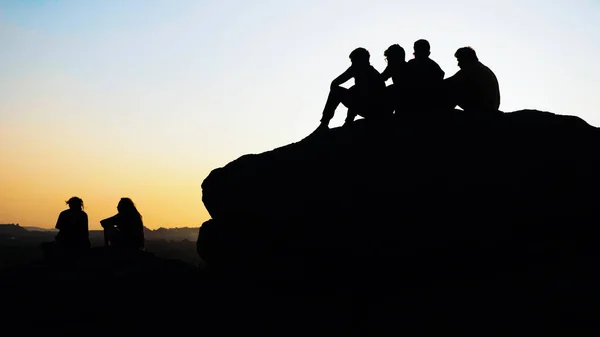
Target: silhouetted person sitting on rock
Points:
x,y
365,98
425,79
73,232
125,229
396,69
474,87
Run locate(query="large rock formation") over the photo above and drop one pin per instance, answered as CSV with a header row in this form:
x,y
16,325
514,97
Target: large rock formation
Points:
x,y
455,190
420,213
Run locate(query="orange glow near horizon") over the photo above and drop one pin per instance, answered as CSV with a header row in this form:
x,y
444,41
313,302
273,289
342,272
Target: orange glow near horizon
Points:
x,y
38,178
111,99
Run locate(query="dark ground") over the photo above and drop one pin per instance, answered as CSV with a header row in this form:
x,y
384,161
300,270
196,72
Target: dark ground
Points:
x,y
170,291
107,293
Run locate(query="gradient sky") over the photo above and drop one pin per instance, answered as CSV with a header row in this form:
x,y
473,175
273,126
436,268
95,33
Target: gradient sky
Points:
x,y
143,98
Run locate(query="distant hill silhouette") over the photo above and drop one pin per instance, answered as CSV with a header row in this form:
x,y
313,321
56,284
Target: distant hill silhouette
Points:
x,y
12,230
40,229
172,234
169,234
449,222
22,244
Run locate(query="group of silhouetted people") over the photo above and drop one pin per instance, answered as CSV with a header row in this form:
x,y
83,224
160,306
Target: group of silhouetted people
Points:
x,y
125,230
417,85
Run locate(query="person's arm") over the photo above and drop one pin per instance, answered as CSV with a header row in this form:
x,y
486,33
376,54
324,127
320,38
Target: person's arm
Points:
x,y
454,79
441,73
451,89
387,73
343,78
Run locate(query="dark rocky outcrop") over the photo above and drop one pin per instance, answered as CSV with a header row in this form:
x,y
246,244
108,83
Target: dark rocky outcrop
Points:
x,y
478,209
408,187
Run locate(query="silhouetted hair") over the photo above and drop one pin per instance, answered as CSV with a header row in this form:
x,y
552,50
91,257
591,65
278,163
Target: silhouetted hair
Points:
x,y
422,47
75,202
395,51
360,55
127,207
466,54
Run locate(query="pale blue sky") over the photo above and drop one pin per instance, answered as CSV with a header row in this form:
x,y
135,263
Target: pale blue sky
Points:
x,y
179,87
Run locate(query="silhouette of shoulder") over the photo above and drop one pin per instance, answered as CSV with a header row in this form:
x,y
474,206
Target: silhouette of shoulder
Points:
x,y
70,217
425,69
487,72
476,75
482,82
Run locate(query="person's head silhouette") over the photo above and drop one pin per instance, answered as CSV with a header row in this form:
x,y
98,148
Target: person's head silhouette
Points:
x,y
75,203
360,56
422,49
395,54
127,207
466,56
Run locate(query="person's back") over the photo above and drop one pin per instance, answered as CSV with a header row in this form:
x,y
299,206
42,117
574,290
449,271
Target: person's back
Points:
x,y
424,72
130,225
131,231
367,78
482,83
475,86
425,78
72,225
368,90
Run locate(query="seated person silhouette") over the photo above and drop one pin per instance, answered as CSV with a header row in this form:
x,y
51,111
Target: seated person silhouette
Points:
x,y
396,69
365,98
125,230
474,87
425,79
73,232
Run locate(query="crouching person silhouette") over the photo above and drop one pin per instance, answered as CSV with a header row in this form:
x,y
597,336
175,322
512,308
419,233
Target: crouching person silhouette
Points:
x,y
365,98
125,230
474,87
